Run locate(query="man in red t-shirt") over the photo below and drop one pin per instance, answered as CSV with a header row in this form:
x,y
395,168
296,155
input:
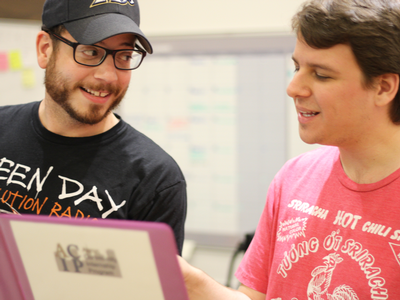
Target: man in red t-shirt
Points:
x,y
330,227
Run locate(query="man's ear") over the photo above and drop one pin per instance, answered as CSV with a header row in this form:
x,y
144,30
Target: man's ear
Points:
x,y
388,85
44,49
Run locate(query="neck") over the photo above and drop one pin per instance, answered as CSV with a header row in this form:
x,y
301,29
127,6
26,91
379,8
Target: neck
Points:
x,y
56,120
374,160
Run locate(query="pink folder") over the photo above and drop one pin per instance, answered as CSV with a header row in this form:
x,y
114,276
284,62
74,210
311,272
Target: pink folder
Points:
x,y
47,258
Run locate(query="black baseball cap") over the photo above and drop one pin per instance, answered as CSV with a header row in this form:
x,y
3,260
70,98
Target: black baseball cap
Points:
x,y
91,21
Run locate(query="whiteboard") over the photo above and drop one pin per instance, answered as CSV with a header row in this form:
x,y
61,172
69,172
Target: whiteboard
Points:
x,y
216,104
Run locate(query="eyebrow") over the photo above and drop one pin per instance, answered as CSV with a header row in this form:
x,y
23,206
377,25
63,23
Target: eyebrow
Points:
x,y
317,66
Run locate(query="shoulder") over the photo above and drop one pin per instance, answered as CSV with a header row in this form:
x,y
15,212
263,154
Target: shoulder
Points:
x,y
142,145
17,117
10,111
146,153
303,177
316,162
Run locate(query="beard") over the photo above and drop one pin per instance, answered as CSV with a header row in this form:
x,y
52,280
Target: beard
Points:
x,y
59,88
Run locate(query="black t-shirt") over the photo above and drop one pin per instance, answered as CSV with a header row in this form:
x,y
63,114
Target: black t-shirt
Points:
x,y
119,174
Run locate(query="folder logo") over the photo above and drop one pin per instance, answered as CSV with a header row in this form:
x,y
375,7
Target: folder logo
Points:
x,y
83,260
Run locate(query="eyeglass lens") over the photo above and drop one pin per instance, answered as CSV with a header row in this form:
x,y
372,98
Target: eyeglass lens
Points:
x,y
91,55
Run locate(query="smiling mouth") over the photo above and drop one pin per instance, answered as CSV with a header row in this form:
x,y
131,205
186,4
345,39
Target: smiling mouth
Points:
x,y
96,93
308,114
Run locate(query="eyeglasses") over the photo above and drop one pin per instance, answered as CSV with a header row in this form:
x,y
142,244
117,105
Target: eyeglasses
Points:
x,y
92,55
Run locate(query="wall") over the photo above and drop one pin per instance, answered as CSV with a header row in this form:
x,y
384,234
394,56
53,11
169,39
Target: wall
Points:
x,y
187,17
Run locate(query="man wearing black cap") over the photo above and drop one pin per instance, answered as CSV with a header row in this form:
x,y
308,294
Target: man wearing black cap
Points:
x,y
69,155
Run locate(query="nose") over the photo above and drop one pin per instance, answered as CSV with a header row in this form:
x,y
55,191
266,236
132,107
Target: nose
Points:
x,y
107,70
299,87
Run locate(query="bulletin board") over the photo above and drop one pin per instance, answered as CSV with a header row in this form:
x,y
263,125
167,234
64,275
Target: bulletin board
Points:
x,y
21,79
216,104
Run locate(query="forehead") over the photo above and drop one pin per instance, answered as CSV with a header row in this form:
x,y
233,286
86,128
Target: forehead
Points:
x,y
335,57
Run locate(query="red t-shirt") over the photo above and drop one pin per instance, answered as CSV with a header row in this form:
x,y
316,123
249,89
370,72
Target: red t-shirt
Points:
x,y
323,236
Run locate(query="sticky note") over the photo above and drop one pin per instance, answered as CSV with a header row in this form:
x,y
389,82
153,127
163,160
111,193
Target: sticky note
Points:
x,y
15,59
28,78
3,62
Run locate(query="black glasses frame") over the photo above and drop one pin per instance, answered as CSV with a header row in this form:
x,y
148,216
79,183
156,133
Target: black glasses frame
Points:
x,y
108,51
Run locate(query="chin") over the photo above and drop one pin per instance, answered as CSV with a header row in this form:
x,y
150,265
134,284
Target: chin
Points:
x,y
311,140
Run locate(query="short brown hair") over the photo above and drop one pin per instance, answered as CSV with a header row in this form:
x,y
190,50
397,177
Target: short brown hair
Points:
x,y
370,27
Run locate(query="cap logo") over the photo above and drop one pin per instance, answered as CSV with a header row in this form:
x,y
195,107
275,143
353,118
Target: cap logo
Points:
x,y
120,2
